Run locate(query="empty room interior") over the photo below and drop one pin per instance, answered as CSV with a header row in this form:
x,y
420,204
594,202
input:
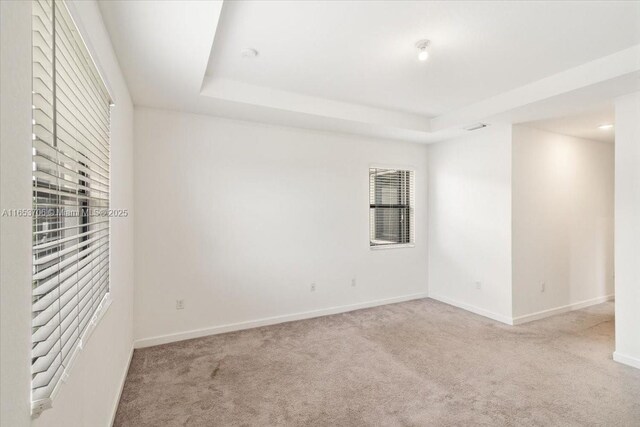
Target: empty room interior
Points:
x,y
319,213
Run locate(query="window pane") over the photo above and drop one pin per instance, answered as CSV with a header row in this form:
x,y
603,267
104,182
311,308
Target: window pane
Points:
x,y
391,205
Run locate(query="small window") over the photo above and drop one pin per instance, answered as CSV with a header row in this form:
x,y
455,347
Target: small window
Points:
x,y
391,207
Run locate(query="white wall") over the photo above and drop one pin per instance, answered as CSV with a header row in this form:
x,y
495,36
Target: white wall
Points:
x,y
238,219
90,395
562,199
627,229
470,222
15,192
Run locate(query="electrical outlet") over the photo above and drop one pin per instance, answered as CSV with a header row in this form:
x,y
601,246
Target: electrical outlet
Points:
x,y
543,287
353,283
313,287
478,285
179,304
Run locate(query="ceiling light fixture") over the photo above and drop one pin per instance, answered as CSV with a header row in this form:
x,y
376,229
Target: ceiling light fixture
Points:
x,y
605,127
249,52
423,53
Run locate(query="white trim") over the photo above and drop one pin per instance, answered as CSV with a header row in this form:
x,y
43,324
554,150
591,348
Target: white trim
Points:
x,y
231,327
391,246
563,309
402,167
473,309
527,317
73,12
97,316
116,403
634,362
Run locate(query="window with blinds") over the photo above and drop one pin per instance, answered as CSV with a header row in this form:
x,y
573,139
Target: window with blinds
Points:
x,y
391,207
71,120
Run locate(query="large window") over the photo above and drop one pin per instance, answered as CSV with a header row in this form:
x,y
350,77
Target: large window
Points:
x,y
71,121
391,207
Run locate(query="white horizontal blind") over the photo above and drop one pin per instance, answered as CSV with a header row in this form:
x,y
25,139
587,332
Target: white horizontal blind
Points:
x,y
71,119
391,207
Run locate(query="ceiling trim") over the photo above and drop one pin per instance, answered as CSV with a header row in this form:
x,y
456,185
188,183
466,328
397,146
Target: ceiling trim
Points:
x,y
609,67
164,49
615,74
290,101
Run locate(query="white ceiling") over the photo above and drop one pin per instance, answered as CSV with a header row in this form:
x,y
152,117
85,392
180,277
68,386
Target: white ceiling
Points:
x,y
584,125
363,52
162,46
352,66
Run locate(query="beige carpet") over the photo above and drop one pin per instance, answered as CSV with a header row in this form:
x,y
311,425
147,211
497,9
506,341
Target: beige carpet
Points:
x,y
417,363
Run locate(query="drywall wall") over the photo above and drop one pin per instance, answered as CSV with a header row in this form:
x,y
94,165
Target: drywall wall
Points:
x,y
238,219
562,200
627,229
90,395
470,222
15,193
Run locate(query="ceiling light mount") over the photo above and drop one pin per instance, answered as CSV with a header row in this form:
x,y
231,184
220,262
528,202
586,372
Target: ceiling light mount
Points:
x,y
423,53
249,52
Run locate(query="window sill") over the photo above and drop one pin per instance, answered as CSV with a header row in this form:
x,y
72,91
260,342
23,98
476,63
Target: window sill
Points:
x,y
39,406
398,246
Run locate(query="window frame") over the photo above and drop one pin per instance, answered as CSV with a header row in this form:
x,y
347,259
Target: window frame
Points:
x,y
412,206
40,405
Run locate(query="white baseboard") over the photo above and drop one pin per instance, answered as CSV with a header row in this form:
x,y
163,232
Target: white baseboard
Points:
x,y
563,309
627,360
122,381
473,309
213,330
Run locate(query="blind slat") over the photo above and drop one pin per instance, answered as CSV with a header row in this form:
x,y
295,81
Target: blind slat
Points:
x,y
391,206
71,163
51,283
45,333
